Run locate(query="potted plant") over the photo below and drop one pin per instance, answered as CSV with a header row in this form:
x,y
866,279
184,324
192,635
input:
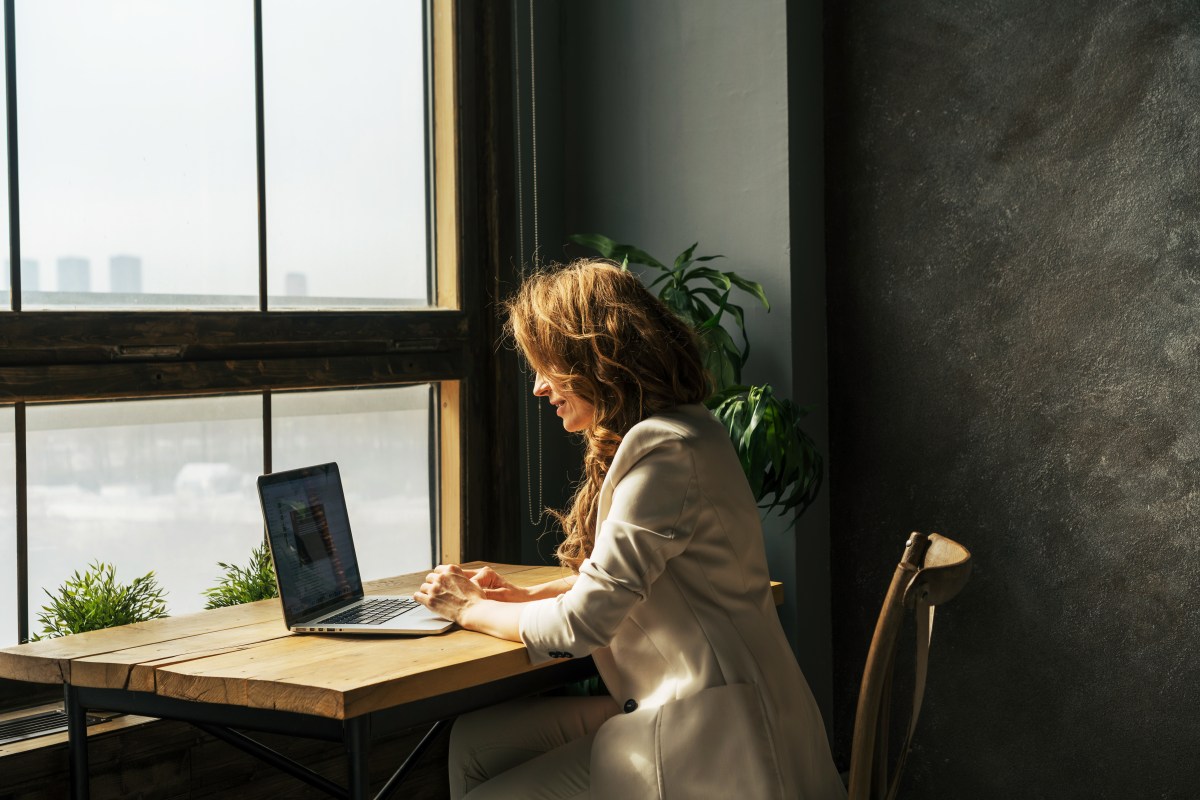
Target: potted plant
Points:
x,y
94,600
255,581
780,460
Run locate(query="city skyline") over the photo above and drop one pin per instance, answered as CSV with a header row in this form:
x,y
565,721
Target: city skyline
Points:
x,y
124,276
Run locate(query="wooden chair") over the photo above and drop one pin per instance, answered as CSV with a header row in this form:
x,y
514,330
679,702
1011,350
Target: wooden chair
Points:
x,y
932,571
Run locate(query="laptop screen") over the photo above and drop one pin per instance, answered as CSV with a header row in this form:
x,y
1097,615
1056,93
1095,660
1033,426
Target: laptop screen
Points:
x,y
309,530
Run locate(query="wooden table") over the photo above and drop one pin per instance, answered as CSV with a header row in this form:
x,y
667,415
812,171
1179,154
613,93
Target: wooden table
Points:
x,y
238,668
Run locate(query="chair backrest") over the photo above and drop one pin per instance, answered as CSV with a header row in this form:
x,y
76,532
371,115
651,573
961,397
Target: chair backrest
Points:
x,y
931,572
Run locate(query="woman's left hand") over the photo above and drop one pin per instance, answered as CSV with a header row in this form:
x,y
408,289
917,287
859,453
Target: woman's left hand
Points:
x,y
449,592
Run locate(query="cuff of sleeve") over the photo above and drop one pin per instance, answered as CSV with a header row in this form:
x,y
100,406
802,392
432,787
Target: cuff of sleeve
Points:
x,y
532,629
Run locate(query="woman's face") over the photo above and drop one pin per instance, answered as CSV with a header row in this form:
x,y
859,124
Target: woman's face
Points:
x,y
575,412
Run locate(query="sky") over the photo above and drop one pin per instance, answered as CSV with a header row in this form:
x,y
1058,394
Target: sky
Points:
x,y
136,136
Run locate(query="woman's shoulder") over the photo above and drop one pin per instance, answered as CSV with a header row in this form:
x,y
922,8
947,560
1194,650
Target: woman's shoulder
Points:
x,y
682,422
685,428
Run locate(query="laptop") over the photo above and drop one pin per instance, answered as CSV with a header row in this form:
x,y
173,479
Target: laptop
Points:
x,y
320,585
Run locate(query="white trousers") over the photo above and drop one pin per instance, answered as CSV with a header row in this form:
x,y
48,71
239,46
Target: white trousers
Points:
x,y
534,749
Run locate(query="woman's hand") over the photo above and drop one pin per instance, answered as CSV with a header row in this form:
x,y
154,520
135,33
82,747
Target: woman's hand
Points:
x,y
495,586
462,595
449,591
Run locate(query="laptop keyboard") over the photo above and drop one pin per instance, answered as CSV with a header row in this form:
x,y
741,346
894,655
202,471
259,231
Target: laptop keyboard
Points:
x,y
372,612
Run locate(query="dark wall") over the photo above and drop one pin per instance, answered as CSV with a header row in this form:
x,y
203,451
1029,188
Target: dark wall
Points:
x,y
1014,297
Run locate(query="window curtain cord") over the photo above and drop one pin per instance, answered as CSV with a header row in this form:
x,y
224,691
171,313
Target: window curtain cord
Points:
x,y
535,511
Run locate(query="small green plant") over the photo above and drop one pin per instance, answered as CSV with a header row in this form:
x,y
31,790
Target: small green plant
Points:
x,y
781,462
255,581
95,600
779,459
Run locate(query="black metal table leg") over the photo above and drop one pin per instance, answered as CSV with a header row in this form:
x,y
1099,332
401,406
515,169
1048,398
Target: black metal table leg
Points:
x,y
410,762
358,757
275,759
77,742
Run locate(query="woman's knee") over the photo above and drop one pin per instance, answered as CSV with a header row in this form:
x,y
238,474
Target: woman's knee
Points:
x,y
481,746
490,741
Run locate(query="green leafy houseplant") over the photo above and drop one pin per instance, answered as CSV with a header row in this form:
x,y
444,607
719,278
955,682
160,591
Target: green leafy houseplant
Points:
x,y
95,600
780,460
255,581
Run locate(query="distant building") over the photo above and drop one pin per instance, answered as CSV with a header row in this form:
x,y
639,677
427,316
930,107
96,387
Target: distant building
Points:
x,y
74,274
295,284
125,274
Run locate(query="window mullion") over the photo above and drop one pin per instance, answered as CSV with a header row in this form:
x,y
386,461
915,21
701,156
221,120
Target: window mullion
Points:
x,y
22,526
261,156
14,206
268,458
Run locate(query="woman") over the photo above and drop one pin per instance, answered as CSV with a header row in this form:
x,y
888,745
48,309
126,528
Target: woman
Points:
x,y
668,587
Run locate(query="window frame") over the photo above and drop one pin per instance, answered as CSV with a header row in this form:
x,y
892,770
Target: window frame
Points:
x,y
50,356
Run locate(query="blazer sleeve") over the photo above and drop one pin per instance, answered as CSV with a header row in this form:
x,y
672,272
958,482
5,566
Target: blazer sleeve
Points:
x,y
650,520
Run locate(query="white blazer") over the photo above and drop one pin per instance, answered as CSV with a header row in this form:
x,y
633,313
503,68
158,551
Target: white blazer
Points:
x,y
675,607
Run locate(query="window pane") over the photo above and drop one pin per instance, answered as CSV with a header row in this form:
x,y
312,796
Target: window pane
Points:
x,y
8,529
162,485
137,154
345,141
380,440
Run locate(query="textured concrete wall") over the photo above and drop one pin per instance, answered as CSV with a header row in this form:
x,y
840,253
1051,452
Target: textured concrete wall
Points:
x,y
1014,277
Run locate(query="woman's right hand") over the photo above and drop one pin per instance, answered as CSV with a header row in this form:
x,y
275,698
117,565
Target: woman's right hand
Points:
x,y
495,586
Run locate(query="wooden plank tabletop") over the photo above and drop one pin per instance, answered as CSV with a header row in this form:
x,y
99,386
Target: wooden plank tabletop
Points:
x,y
243,655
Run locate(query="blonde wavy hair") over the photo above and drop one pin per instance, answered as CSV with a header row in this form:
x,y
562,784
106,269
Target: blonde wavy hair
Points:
x,y
596,332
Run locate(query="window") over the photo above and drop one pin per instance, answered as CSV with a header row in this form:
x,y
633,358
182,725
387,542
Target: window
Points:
x,y
345,139
139,483
136,165
382,440
248,236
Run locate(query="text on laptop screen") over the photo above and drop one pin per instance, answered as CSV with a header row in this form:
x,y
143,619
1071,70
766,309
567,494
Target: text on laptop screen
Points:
x,y
310,538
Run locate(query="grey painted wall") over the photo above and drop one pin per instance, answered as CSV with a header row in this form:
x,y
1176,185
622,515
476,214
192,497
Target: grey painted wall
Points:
x,y
674,128
1014,297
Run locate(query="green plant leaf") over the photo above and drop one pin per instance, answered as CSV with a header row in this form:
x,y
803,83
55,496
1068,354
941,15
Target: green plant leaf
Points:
x,y
714,296
721,356
716,278
255,581
601,244
679,301
685,257
721,300
94,600
753,288
782,464
666,276
711,319
617,252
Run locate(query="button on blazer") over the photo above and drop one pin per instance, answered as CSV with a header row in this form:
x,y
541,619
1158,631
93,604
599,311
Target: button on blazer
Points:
x,y
674,605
